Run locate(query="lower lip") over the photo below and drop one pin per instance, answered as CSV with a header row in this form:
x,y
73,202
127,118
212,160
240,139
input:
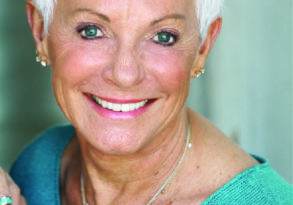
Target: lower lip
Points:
x,y
118,115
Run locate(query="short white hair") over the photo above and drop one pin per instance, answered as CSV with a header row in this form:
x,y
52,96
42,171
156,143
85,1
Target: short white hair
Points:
x,y
206,11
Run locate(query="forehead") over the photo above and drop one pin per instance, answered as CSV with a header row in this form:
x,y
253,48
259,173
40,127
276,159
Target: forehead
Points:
x,y
130,8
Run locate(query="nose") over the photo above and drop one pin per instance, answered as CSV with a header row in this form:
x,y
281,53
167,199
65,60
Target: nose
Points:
x,y
126,71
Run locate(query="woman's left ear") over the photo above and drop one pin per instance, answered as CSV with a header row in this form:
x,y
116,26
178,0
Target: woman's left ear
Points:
x,y
206,46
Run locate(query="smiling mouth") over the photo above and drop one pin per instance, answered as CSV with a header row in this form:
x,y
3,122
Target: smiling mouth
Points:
x,y
120,107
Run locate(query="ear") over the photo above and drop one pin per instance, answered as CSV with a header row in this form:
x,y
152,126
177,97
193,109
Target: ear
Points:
x,y
36,24
206,46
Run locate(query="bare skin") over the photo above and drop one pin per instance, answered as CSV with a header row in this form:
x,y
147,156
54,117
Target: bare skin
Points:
x,y
212,162
124,161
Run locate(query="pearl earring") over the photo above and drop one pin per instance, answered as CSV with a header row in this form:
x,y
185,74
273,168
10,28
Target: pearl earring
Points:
x,y
41,60
198,73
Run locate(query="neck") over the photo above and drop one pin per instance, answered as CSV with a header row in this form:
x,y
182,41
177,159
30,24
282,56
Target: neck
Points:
x,y
140,172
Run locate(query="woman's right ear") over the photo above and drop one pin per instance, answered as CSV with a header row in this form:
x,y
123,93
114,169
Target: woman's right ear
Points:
x,y
35,21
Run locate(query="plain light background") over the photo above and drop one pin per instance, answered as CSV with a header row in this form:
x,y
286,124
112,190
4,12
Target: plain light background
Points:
x,y
247,90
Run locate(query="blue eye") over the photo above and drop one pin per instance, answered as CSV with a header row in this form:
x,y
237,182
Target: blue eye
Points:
x,y
165,38
90,32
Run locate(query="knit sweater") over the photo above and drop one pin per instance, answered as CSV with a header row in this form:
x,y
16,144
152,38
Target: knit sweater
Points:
x,y
37,173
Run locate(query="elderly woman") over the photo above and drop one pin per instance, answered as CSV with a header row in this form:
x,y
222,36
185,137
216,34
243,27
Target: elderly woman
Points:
x,y
121,72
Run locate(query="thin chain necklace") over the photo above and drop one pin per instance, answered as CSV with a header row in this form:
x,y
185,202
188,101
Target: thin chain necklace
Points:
x,y
164,185
82,190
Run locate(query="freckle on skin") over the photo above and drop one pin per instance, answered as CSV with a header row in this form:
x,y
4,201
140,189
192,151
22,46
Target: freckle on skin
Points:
x,y
197,167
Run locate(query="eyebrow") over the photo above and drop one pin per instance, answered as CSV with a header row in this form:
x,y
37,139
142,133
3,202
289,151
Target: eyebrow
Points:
x,y
106,18
100,15
170,16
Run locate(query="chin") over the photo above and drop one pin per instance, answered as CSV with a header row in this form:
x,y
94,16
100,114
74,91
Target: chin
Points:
x,y
113,142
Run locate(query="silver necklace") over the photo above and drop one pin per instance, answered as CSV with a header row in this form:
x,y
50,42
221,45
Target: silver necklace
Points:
x,y
82,190
164,185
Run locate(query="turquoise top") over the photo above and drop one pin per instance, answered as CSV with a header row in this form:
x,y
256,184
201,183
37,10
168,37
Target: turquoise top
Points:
x,y
37,172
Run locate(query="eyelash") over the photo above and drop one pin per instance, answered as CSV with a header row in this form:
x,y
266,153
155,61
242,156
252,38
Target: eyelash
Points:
x,y
172,34
81,29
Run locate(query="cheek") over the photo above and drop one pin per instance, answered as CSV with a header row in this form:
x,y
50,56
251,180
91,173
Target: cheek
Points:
x,y
171,67
76,62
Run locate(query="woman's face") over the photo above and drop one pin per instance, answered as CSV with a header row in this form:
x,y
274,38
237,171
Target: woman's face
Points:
x,y
121,68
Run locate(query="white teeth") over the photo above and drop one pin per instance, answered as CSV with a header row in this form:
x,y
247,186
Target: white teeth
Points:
x,y
118,107
125,108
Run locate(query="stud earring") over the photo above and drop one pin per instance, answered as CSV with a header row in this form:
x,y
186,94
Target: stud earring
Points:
x,y
41,60
198,73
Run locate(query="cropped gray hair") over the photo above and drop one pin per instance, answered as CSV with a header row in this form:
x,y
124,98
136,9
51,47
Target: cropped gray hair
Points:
x,y
206,10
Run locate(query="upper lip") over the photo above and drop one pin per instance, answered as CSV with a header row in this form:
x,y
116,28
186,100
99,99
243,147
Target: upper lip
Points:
x,y
112,100
122,101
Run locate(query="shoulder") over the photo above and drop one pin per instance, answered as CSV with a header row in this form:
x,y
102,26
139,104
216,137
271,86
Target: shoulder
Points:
x,y
37,166
45,145
234,176
259,184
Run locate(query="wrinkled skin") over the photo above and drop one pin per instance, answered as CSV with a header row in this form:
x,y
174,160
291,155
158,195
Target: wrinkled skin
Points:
x,y
124,63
